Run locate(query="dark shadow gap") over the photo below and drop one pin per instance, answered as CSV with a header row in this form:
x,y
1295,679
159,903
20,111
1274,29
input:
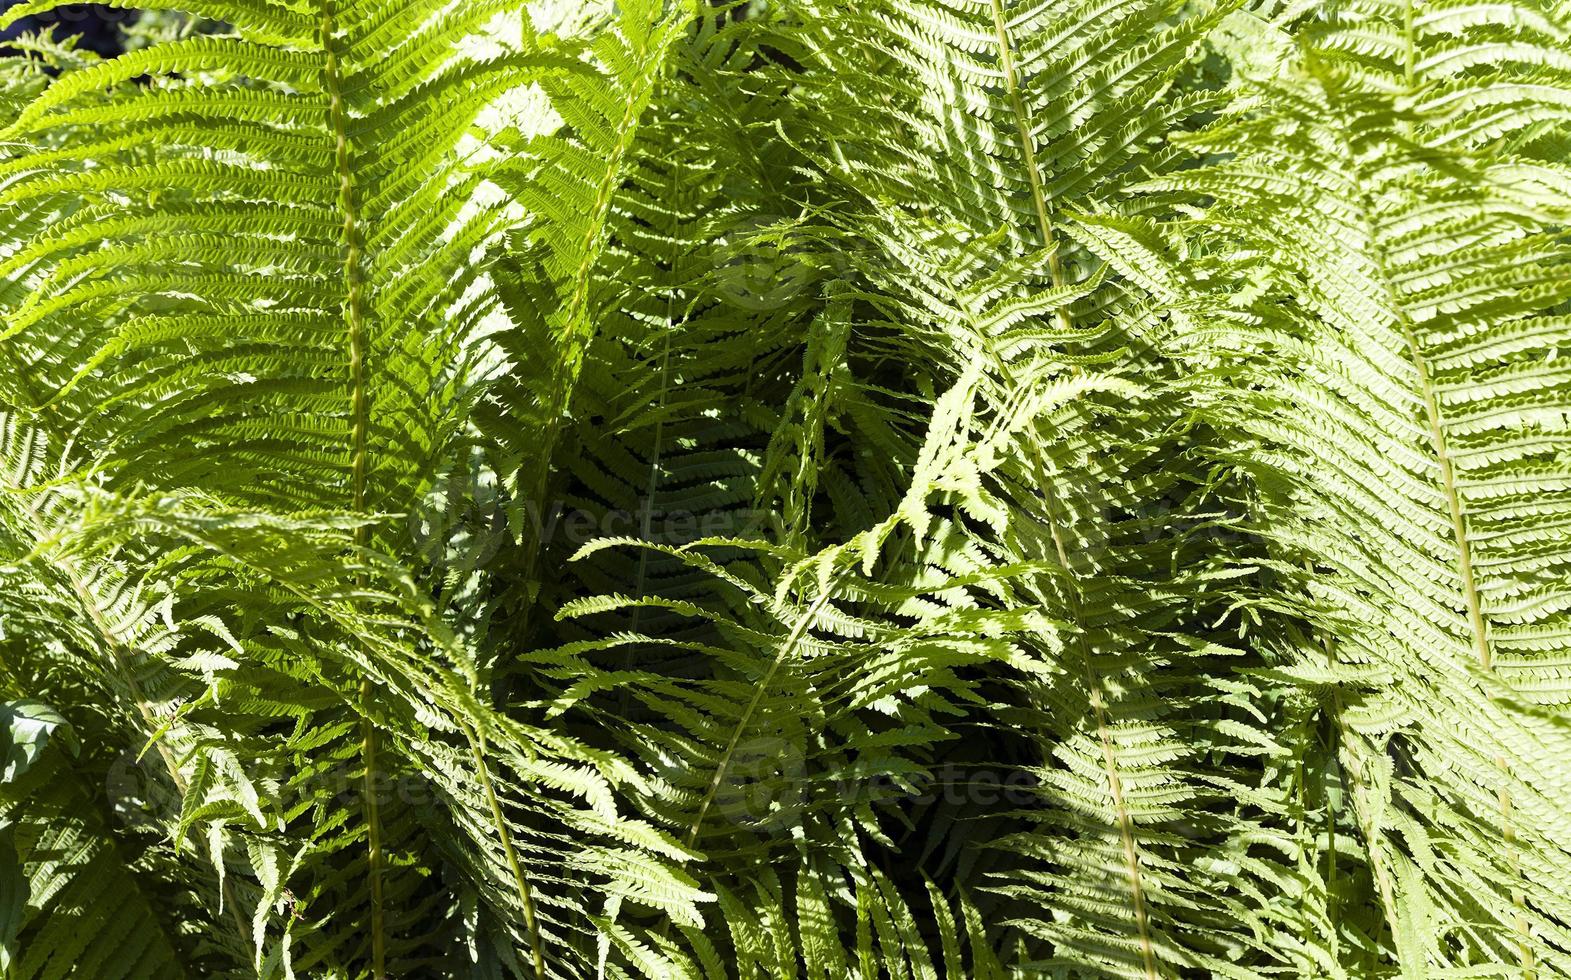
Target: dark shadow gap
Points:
x,y
97,28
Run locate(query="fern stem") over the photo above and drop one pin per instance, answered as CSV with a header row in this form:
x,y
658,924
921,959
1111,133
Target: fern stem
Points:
x,y
793,638
1464,559
525,895
1094,684
121,657
1094,692
1006,61
1475,617
1464,552
354,317
1442,451
1464,548
1115,785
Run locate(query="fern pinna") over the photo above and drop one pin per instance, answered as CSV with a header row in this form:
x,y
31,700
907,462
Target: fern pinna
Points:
x,y
911,489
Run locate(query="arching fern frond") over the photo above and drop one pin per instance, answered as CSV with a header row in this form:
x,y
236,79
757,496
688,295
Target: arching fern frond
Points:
x,y
74,896
1390,354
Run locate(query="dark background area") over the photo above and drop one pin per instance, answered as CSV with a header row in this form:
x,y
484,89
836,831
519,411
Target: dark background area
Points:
x,y
97,26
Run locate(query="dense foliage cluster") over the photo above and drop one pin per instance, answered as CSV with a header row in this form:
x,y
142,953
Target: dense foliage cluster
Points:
x,y
820,488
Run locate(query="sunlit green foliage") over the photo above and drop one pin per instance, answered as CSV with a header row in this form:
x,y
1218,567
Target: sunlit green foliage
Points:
x,y
896,488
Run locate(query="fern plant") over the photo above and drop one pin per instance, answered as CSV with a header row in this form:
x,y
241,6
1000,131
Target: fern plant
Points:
x,y
910,489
